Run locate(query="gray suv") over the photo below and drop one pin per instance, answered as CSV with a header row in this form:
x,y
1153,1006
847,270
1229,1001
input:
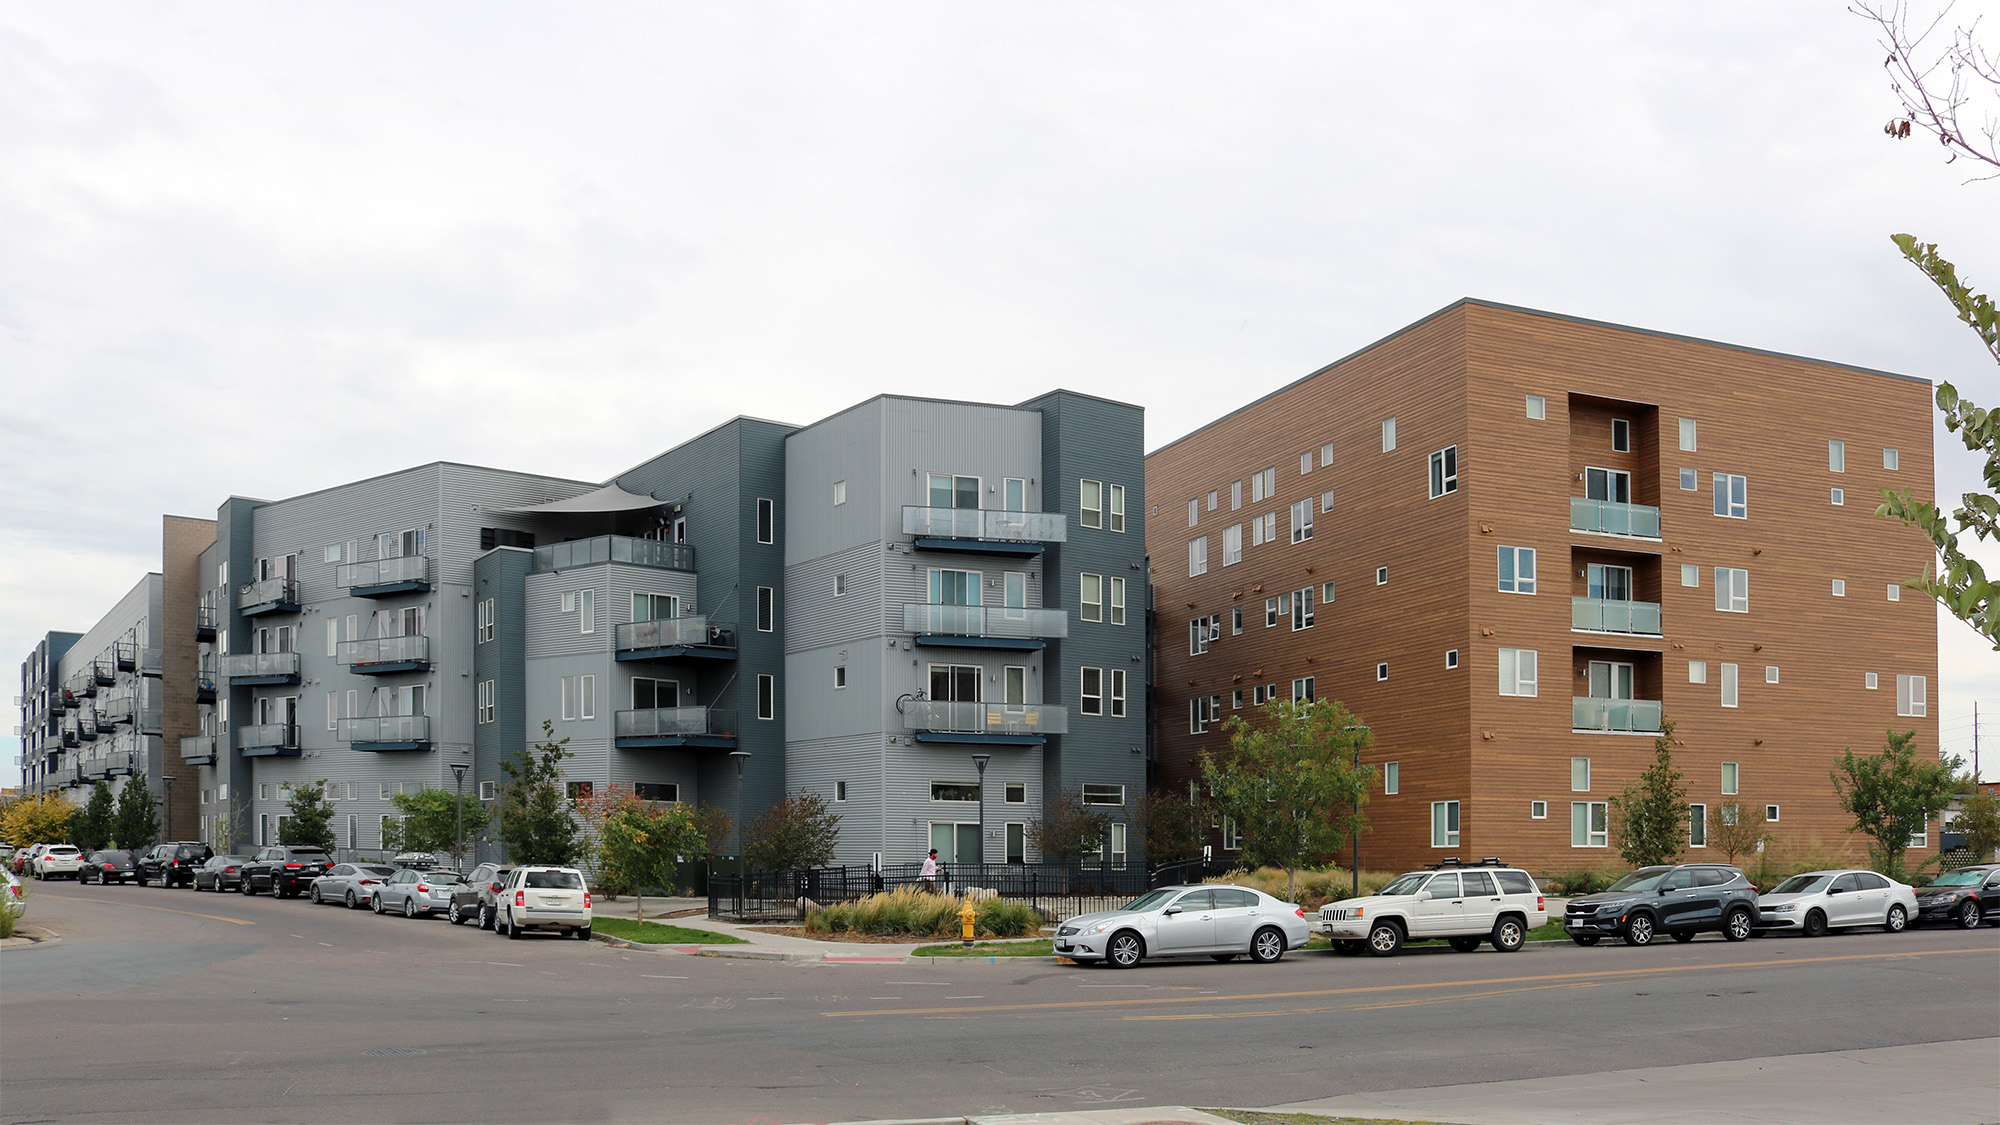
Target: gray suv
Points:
x,y
474,899
1679,901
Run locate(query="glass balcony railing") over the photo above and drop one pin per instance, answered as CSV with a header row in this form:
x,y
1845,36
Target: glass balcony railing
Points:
x,y
260,665
409,572
1639,715
201,746
384,728
268,736
1609,615
269,595
985,621
978,523
670,722
614,549
1608,517
114,708
986,718
401,651
673,632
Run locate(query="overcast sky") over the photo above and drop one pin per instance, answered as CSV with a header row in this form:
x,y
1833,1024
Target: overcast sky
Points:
x,y
263,249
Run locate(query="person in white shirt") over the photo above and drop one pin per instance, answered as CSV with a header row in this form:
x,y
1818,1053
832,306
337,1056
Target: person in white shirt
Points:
x,y
927,878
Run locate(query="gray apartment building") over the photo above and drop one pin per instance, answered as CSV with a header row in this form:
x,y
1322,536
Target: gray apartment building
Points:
x,y
953,579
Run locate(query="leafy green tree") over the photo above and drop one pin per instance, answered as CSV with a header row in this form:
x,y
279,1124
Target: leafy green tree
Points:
x,y
1293,787
642,844
795,833
1978,821
1893,795
431,820
1735,829
91,828
1172,825
37,820
1653,810
136,824
1068,828
537,820
310,820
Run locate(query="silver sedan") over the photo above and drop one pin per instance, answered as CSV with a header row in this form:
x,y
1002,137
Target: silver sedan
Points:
x,y
1817,901
1215,921
350,884
414,894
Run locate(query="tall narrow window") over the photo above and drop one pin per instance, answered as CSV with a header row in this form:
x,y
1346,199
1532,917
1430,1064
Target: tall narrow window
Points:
x,y
1579,775
586,610
1836,456
1232,545
767,521
1118,507
839,493
569,697
1621,435
1517,570
1326,501
1236,496
1302,609
1687,435
586,698
767,612
1392,778
1728,685
1305,463
1444,471
1388,434
1303,689
1697,825
1090,597
1117,693
1118,601
1090,504
1091,694
767,696
1198,556
1016,499
1444,824
1302,521
1015,589
1326,455
1729,774
1194,512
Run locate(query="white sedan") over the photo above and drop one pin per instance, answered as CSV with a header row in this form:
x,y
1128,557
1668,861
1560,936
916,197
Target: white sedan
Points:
x,y
57,859
1214,921
1817,901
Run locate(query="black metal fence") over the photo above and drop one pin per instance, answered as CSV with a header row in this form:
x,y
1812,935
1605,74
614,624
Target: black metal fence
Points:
x,y
1056,890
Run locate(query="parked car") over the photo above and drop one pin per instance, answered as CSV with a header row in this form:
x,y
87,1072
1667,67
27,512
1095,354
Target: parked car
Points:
x,y
111,865
421,861
221,873
1966,897
23,859
1464,905
414,894
350,884
15,901
1679,901
1816,901
1217,921
283,871
172,864
543,898
57,859
476,897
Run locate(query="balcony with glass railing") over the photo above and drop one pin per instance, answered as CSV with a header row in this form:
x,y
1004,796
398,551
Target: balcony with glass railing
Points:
x,y
975,626
253,668
384,577
1609,517
675,638
268,595
613,549
1007,724
385,732
114,708
1610,615
199,750
380,656
666,727
984,531
1615,716
268,740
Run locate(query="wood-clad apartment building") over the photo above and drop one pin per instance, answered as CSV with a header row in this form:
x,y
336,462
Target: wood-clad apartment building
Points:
x,y
1513,542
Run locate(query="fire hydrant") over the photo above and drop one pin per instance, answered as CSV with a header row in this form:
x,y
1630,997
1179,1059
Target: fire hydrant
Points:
x,y
966,916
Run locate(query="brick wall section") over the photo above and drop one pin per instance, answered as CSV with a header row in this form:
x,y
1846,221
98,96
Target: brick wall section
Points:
x,y
183,539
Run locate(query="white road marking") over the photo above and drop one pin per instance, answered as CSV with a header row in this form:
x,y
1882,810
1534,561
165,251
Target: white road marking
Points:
x,y
885,997
1114,986
505,1000
656,976
924,983
328,944
504,964
965,997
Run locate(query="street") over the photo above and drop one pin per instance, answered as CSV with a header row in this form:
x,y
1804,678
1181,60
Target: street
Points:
x,y
176,1006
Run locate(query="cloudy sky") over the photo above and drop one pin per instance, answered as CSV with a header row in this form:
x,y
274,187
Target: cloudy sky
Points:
x,y
261,249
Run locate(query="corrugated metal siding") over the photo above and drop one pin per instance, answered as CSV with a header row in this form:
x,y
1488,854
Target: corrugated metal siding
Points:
x,y
499,574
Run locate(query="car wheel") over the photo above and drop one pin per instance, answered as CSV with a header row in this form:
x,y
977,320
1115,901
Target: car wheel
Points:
x,y
1508,936
1126,950
583,932
1739,925
1267,946
1898,920
142,878
1968,915
1683,936
1225,958
409,908
1385,938
316,900
513,932
350,898
1639,930
486,920
1348,947
457,919
375,903
1815,924
1465,944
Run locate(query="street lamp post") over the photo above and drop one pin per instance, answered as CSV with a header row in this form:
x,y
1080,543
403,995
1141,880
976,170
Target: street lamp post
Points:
x,y
167,783
458,820
979,762
1354,830
742,875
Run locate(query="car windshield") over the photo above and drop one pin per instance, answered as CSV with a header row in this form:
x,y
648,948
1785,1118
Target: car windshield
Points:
x,y
1645,879
1406,884
1151,900
555,881
1802,885
1959,879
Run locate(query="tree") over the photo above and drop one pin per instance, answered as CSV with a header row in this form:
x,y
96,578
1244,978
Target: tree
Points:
x,y
795,833
1978,821
137,821
309,819
642,844
90,829
1171,825
230,823
1068,829
1937,82
1653,810
37,820
537,821
1294,788
1736,829
1893,795
431,820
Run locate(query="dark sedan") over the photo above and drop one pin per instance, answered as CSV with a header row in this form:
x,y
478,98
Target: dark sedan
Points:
x,y
220,873
109,866
1965,897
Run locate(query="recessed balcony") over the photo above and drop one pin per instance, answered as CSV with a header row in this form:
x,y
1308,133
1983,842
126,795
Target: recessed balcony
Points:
x,y
384,655
613,549
1610,615
668,727
1609,517
1003,724
204,622
384,577
384,733
269,595
984,532
675,638
268,740
198,750
974,626
127,656
254,668
1591,715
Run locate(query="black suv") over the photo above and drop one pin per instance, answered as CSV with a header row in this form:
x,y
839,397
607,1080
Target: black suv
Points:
x,y
1680,901
173,864
1964,897
474,899
284,871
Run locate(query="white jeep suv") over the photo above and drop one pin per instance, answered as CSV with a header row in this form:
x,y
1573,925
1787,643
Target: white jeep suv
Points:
x,y
543,898
1464,904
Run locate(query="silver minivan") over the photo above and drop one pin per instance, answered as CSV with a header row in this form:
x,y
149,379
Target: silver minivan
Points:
x,y
543,898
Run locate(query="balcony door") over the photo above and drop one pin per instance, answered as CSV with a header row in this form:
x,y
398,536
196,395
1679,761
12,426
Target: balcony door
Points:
x,y
648,695
954,683
948,491
1610,680
954,587
1608,484
655,607
955,843
1612,583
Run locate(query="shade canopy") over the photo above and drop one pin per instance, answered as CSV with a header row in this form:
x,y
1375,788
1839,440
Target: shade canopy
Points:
x,y
610,498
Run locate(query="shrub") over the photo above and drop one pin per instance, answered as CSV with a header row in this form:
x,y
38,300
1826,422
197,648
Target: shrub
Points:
x,y
1316,887
921,914
1584,881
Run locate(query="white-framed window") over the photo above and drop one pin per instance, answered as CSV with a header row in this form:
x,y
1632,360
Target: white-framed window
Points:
x,y
1014,685
1732,495
1689,481
1118,507
1090,691
1697,671
1090,504
1579,775
840,585
767,609
1840,587
1728,685
1117,601
1697,825
1729,775
1198,715
1269,520
569,698
1381,672
332,709
1388,434
1270,612
1232,837
1326,593
1621,435
1538,407
1201,631
1920,838
1211,499
384,790
1197,556
1732,589
1839,497
767,520
586,611
1895,592
1687,435
1236,700
1444,824
1015,494
839,791
1194,512
1892,460
487,704
1236,621
489,790
1913,696
1015,793
1235,495
1381,576
839,493
1770,673
1326,501
1392,778
1691,575
333,635
1303,689
1771,813
1517,570
1096,794
1836,456
1444,471
1870,681
586,697
1538,810
1302,609
767,696
1589,824
655,607
840,677
1305,463
1302,521
1117,686
489,619
1090,597
955,791
1518,671
1450,659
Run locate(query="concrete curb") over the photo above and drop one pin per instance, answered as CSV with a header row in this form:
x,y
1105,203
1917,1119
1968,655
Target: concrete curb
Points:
x,y
31,937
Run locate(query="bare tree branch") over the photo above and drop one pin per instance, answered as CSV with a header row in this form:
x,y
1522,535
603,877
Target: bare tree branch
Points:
x,y
1940,85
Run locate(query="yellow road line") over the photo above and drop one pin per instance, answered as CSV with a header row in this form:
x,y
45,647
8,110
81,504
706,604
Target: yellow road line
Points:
x,y
1360,990
166,909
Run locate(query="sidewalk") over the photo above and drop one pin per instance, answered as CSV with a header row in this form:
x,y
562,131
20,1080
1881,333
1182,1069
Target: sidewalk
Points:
x,y
761,946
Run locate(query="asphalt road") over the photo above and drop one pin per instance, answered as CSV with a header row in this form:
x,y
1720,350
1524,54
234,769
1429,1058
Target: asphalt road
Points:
x,y
174,1006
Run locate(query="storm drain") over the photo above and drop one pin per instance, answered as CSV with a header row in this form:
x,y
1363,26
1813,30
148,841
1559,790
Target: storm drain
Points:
x,y
393,1052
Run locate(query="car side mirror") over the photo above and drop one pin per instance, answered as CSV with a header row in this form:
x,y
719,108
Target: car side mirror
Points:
x,y
1836,890
1423,896
1171,910
1664,890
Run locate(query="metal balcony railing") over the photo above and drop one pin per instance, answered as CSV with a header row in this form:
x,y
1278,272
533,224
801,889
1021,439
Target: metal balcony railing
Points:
x,y
985,621
114,708
104,672
986,718
201,746
669,722
407,572
268,736
384,728
980,523
1636,715
399,651
1608,517
268,595
614,549
259,665
205,617
127,656
1609,615
673,632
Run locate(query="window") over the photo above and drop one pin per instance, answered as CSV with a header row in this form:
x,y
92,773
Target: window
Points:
x,y
767,521
767,612
1326,501
1895,592
569,697
1198,715
1305,463
1538,810
1388,434
1729,771
1016,494
1836,456
1236,621
1326,455
1691,575
1302,690
1118,507
1444,824
1211,499
947,491
1092,691
1517,671
1444,471
1770,673
1839,497
767,696
840,585
655,607
1236,496
1392,778
1118,601
1697,671
1194,512
1090,504
1919,838
1326,593
1381,576
1302,609
1103,794
1689,482
654,791
488,619
1728,685
581,790
1912,696
954,791
1892,460
1270,482
1771,813
1269,532
1517,570
586,609
383,790
1198,556
1579,775
1302,521
1589,824
586,698
1732,496
1232,837
1869,680
1538,407
485,707
1118,693
953,587
1090,597
1381,672
1840,587
1621,435
489,790
840,677
1114,845
1270,612
839,493
1236,700
1732,590
1014,685
1017,842
1450,658
1015,793
1687,435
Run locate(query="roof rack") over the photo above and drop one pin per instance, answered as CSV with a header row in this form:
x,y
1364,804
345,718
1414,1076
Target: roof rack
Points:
x,y
1454,861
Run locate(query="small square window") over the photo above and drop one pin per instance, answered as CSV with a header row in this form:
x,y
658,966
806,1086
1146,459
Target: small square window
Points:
x,y
1770,673
1451,658
1895,592
1538,407
1381,672
1381,576
1016,793
1891,459
1839,497
1690,574
1697,671
1538,810
1688,482
1870,681
1771,813
1840,587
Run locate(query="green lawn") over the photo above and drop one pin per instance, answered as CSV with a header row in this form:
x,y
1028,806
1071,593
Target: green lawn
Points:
x,y
1043,948
654,933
